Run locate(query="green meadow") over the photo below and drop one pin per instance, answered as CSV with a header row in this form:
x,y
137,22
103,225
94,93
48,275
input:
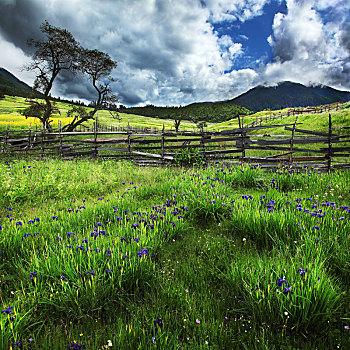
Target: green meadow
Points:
x,y
11,106
107,255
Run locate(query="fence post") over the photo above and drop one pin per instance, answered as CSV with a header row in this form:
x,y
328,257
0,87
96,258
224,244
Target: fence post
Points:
x,y
7,135
42,140
95,137
291,141
329,143
60,137
243,144
163,145
203,145
29,137
241,126
129,141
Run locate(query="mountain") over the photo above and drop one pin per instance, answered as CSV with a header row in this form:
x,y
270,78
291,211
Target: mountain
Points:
x,y
285,94
289,94
10,85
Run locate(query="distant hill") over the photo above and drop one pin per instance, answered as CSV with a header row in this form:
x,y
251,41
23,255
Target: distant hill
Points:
x,y
289,94
213,112
10,85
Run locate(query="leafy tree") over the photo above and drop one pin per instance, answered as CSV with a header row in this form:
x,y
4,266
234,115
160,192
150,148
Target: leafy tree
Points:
x,y
61,52
97,65
177,120
201,124
57,53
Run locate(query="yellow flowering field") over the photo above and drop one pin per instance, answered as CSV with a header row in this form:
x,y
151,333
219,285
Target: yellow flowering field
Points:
x,y
20,122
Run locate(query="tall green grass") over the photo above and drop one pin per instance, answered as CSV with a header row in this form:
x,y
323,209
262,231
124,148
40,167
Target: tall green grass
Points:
x,y
98,253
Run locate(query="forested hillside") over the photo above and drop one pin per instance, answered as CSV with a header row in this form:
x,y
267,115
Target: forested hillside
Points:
x,y
10,85
209,112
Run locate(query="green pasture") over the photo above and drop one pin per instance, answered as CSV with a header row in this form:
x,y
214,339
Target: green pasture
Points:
x,y
107,255
11,106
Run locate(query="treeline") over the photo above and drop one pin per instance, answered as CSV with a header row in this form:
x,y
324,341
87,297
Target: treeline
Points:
x,y
213,112
72,102
14,91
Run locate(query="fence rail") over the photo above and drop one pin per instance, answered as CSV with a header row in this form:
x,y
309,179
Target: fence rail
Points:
x,y
294,112
320,149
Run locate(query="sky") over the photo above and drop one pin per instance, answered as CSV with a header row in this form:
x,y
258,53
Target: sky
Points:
x,y
176,52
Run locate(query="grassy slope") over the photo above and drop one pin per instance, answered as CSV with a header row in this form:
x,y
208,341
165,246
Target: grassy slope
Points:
x,y
318,121
10,108
10,115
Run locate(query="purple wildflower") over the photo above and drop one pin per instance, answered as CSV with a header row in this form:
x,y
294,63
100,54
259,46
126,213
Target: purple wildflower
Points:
x,y
8,311
280,281
76,346
302,271
18,344
287,290
33,274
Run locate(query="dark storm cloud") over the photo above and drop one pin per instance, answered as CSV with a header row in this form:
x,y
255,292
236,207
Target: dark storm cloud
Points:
x,y
154,60
20,21
340,74
311,44
345,36
168,51
73,86
284,49
187,90
129,98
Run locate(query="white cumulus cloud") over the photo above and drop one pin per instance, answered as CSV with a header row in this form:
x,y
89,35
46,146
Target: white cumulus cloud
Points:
x,y
309,47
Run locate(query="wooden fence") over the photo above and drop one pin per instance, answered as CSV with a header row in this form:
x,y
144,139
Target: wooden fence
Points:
x,y
91,128
320,149
293,112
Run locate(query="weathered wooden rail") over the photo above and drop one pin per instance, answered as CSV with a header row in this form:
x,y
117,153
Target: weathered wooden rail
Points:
x,y
294,112
320,149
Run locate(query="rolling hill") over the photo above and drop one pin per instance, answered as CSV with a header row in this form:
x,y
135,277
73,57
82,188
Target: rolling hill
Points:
x,y
289,94
10,85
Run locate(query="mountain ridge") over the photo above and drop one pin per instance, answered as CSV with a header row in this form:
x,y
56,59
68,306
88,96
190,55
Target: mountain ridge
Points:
x,y
282,95
289,94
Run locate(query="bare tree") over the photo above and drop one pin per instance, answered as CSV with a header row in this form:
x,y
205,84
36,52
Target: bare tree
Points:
x,y
177,122
57,53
